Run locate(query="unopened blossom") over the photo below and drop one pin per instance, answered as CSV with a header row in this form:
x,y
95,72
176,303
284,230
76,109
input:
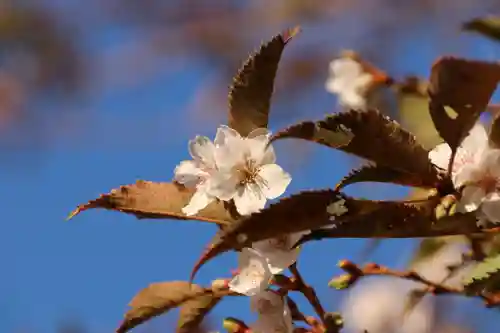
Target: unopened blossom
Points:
x,y
248,172
254,274
477,168
273,313
349,82
198,173
278,251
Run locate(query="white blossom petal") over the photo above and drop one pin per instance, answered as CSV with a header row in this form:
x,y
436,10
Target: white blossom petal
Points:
x,y
472,197
249,199
223,185
334,86
274,315
491,162
440,155
470,173
225,135
258,132
202,150
476,140
267,302
199,200
254,274
278,251
258,150
231,155
188,173
352,100
491,207
273,180
280,260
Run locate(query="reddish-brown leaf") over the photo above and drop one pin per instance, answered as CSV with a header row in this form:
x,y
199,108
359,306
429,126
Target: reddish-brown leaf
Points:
x,y
381,174
300,212
399,220
146,199
494,135
252,88
373,136
466,86
157,299
194,311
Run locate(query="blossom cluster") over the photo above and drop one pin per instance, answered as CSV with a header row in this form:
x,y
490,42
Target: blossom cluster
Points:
x,y
244,170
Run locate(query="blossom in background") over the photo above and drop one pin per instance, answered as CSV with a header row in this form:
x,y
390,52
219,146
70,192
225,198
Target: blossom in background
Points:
x,y
248,173
254,273
232,168
198,173
349,82
274,315
377,305
436,268
278,251
477,168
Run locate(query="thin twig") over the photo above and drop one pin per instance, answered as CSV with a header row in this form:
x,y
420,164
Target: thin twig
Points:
x,y
355,272
308,292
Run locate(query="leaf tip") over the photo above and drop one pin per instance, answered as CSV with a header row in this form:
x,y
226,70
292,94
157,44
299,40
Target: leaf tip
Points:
x,y
290,33
75,212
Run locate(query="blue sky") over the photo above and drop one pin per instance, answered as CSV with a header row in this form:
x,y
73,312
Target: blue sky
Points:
x,y
90,267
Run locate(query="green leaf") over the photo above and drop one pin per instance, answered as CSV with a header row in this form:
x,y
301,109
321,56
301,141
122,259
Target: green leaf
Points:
x,y
413,105
159,298
460,90
380,174
146,199
375,137
484,277
252,88
488,26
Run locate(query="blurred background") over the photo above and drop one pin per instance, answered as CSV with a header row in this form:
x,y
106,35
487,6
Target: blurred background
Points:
x,y
98,93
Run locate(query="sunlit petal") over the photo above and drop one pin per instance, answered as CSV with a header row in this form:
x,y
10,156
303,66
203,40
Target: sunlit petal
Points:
x,y
273,180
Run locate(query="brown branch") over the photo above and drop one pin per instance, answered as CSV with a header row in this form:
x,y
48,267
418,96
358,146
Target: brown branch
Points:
x,y
355,272
308,292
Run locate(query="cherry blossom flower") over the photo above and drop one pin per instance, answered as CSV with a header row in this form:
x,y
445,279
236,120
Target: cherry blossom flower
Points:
x,y
274,315
232,168
349,81
477,168
278,251
254,273
247,173
377,305
436,268
198,173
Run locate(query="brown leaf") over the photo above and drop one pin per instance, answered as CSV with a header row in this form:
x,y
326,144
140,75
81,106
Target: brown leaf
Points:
x,y
193,312
488,26
375,137
252,88
380,174
300,212
466,86
400,220
494,135
146,199
157,299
